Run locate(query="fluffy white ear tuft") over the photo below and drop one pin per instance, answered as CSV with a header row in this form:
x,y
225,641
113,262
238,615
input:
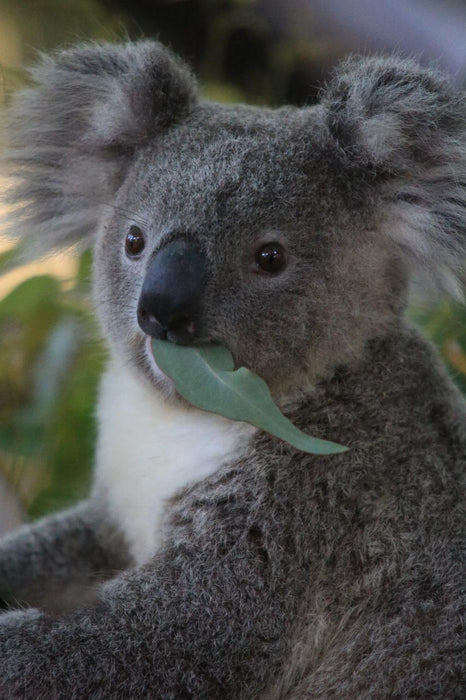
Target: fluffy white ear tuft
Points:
x,y
74,132
402,128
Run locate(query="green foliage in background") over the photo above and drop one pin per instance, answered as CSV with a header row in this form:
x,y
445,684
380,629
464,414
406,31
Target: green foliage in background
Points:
x,y
445,324
50,361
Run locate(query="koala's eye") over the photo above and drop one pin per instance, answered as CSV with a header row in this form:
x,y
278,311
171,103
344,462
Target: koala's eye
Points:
x,y
271,257
135,242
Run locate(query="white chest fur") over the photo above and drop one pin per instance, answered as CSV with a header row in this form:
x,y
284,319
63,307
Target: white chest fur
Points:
x,y
149,449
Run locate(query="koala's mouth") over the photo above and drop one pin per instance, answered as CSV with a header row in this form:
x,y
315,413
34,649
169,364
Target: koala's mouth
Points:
x,y
162,381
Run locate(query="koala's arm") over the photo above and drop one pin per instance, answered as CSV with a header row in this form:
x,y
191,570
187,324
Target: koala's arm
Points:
x,y
210,616
59,560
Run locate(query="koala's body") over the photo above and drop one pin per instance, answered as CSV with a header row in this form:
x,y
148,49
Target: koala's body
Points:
x,y
213,560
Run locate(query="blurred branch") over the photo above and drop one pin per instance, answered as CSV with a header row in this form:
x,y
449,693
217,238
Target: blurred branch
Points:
x,y
433,31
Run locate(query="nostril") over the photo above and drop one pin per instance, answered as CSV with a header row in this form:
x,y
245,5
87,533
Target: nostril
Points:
x,y
189,326
150,325
181,323
181,332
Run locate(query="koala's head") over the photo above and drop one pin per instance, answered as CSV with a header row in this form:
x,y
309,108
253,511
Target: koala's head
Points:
x,y
287,235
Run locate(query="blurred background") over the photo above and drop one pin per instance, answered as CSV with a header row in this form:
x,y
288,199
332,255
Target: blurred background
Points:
x,y
266,52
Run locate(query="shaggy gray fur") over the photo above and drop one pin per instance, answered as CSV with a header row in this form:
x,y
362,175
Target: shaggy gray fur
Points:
x,y
283,575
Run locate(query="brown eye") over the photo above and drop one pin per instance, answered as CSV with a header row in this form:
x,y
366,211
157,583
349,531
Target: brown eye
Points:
x,y
271,257
134,244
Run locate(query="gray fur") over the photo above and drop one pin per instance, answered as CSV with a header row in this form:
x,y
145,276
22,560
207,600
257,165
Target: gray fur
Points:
x,y
73,137
84,551
283,575
405,124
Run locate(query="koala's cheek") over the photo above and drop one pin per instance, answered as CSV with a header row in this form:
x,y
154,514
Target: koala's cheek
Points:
x,y
116,295
260,342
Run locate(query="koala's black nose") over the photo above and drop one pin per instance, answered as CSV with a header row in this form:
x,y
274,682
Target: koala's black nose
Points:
x,y
170,297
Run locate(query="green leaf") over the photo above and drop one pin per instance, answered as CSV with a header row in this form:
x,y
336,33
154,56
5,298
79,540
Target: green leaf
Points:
x,y
10,259
205,376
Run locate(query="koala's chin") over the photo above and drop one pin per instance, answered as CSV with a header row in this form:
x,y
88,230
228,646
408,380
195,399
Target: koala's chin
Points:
x,y
139,359
159,379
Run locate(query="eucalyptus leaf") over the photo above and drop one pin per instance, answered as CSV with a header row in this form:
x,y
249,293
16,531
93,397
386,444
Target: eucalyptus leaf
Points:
x,y
205,376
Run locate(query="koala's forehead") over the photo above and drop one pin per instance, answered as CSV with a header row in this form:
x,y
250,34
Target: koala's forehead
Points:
x,y
230,156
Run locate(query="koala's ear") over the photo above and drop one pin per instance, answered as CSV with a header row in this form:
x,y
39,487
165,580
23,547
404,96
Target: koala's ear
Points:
x,y
75,131
403,128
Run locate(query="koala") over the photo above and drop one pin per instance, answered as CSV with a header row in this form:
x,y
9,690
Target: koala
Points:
x,y
213,560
